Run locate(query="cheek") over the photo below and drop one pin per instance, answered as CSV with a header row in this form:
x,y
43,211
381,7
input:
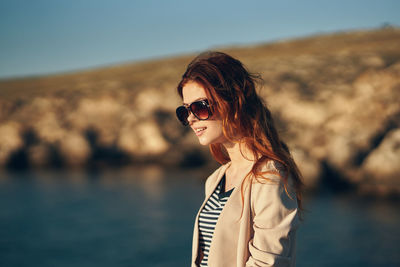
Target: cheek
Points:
x,y
216,129
220,128
215,125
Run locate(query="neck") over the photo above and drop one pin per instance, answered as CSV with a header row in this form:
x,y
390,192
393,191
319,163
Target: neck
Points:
x,y
241,156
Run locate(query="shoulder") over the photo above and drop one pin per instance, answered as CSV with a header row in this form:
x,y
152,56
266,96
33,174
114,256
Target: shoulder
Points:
x,y
269,195
272,173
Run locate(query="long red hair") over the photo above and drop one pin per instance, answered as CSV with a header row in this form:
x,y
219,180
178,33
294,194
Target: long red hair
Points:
x,y
231,91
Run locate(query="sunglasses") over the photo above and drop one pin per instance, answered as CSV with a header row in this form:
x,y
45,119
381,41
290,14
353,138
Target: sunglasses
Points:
x,y
200,109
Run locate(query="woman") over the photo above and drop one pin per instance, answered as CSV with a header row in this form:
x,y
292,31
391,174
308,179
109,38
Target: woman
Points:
x,y
251,209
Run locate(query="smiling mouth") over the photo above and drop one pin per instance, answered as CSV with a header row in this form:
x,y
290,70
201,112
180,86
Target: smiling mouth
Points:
x,y
199,131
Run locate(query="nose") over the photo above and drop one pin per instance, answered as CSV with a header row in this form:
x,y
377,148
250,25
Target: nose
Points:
x,y
191,118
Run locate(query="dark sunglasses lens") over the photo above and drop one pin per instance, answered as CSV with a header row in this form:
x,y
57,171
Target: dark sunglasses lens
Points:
x,y
182,114
200,109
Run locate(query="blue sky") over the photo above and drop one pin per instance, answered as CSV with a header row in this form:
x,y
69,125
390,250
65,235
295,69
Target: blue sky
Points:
x,y
52,36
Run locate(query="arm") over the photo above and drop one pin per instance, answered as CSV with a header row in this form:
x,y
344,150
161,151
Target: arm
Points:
x,y
275,221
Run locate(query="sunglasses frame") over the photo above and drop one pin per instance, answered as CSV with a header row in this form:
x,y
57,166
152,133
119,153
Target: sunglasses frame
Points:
x,y
188,108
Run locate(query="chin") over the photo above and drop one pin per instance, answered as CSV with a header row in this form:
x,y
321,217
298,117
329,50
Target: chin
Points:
x,y
206,140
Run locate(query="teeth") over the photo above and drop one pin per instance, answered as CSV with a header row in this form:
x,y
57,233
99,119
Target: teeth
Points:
x,y
200,129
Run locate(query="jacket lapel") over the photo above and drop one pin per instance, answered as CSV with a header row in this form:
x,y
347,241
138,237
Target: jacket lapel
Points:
x,y
213,182
230,221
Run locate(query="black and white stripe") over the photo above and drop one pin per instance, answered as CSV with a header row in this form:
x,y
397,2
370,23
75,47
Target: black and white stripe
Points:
x,y
209,216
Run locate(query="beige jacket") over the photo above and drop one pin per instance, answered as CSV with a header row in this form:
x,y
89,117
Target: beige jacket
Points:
x,y
265,235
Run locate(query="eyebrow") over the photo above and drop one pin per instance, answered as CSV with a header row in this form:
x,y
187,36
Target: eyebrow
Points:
x,y
197,99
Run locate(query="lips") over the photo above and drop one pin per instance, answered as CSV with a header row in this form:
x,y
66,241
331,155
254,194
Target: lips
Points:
x,y
199,130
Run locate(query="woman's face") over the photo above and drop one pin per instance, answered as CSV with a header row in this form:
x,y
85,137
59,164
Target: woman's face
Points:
x,y
208,131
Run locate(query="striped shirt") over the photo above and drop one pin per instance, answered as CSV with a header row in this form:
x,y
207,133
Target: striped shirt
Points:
x,y
209,216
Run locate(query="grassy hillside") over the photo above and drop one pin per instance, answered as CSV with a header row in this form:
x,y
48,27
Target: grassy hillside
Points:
x,y
166,72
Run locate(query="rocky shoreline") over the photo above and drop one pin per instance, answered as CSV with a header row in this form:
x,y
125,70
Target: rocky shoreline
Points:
x,y
335,99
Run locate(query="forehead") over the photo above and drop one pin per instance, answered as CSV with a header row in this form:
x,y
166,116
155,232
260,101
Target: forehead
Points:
x,y
193,91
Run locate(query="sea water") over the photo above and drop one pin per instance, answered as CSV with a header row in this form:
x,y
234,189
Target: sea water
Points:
x,y
144,217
